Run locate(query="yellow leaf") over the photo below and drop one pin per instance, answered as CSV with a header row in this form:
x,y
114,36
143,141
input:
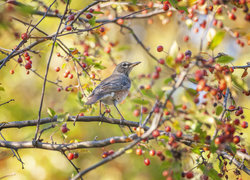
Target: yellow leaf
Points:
x,y
129,151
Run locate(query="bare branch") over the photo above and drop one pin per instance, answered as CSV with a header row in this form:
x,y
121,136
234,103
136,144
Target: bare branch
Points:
x,y
7,102
47,70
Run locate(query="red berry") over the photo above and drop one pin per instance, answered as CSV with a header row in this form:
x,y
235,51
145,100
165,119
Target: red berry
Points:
x,y
236,121
236,139
160,48
24,36
27,58
231,107
217,140
112,141
152,152
178,134
19,60
70,156
244,124
138,152
81,114
232,16
71,17
136,112
120,21
107,49
186,38
161,61
186,127
155,75
147,162
158,69
64,128
102,29
69,28
71,76
12,71
144,109
156,110
89,15
201,85
168,129
105,154
57,69
110,152
156,133
84,65
167,113
92,76
28,65
76,155
189,175
165,7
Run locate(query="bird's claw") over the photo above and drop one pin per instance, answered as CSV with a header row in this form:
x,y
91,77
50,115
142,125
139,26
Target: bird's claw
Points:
x,y
102,114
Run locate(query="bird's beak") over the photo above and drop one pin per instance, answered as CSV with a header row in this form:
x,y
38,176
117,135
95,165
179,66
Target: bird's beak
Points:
x,y
134,64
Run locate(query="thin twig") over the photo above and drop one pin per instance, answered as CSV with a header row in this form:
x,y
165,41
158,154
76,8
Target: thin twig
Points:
x,y
47,70
7,102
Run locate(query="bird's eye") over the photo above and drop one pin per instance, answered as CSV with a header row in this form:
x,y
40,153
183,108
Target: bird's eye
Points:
x,y
125,65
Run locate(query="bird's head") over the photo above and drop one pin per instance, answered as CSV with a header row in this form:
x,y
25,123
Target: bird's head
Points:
x,y
125,67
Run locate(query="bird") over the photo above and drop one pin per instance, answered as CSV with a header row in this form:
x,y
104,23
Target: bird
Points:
x,y
115,88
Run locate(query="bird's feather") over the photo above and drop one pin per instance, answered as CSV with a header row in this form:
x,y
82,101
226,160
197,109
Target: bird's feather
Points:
x,y
113,83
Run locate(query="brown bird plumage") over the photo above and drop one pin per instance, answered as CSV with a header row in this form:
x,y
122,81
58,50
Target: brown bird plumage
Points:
x,y
115,88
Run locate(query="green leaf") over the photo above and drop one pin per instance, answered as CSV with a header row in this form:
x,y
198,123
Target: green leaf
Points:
x,y
160,94
174,49
213,148
210,172
148,93
97,12
99,66
198,127
123,48
219,110
140,101
63,117
225,59
196,150
168,80
51,112
192,80
219,36
184,8
233,147
168,153
163,137
92,21
191,91
173,2
79,97
1,88
170,61
25,9
239,83
134,2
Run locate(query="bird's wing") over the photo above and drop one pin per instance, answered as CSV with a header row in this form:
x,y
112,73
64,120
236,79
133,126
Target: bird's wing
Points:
x,y
111,84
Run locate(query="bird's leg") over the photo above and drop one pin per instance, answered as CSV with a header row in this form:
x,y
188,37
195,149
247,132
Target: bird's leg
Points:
x,y
122,118
100,113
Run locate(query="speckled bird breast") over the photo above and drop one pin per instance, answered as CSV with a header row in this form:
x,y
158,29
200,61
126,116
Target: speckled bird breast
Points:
x,y
116,97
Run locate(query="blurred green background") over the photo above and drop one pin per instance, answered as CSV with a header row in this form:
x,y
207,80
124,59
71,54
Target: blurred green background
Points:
x,y
26,90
